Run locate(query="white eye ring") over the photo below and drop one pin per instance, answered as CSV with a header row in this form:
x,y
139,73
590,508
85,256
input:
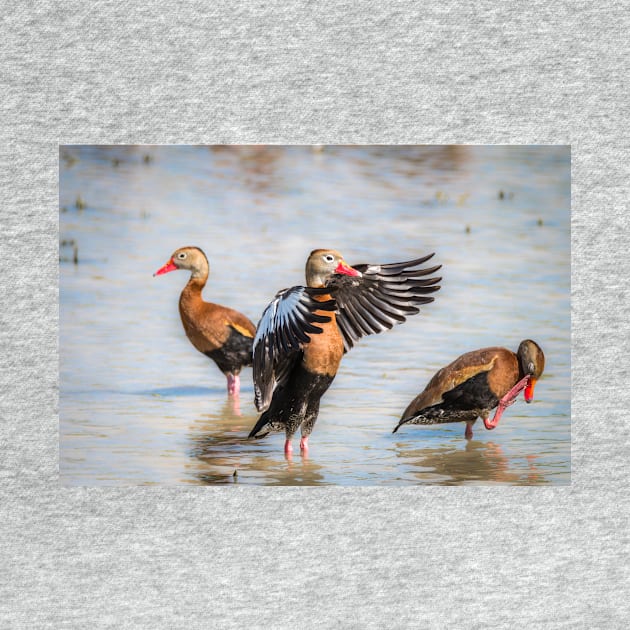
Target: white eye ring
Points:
x,y
181,255
329,258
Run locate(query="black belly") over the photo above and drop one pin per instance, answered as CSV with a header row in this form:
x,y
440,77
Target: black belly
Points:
x,y
467,401
294,405
234,354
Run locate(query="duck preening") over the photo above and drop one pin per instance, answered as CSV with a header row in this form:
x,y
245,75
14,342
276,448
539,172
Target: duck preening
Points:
x,y
222,334
305,330
474,384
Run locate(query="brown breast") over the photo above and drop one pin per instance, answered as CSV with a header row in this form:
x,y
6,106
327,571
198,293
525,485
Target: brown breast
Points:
x,y
323,353
208,325
505,373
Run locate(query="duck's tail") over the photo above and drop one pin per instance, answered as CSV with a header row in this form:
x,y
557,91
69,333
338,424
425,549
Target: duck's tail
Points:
x,y
429,415
264,427
400,423
438,415
260,429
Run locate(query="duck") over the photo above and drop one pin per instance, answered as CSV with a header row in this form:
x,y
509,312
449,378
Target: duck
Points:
x,y
474,384
304,332
221,333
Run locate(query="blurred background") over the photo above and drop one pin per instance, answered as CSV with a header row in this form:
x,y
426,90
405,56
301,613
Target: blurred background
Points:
x,y
139,405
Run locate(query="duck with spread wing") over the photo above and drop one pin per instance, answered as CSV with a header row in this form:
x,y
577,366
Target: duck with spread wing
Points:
x,y
305,330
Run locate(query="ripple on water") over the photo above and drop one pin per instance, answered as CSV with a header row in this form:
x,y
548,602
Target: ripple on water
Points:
x,y
139,406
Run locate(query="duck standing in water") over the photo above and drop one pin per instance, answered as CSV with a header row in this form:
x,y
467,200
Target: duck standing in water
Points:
x,y
222,334
305,330
474,384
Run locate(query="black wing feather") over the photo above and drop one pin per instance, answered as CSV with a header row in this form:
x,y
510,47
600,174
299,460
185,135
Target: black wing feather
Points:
x,y
281,334
396,268
382,296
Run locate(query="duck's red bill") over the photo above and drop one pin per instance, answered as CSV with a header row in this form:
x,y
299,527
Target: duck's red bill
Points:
x,y
346,270
529,390
169,266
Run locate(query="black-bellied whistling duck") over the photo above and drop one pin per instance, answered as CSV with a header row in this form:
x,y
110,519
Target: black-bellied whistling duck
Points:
x,y
304,332
474,384
222,334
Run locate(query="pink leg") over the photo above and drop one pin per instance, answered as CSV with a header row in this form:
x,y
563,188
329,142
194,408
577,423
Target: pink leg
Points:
x,y
469,432
506,401
510,397
288,449
304,443
233,384
491,424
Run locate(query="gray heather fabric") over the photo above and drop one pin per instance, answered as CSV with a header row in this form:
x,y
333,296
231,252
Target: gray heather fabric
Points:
x,y
301,72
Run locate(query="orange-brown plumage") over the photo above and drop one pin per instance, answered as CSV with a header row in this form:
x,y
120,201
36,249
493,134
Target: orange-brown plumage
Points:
x,y
475,383
299,345
322,355
221,333
209,325
500,363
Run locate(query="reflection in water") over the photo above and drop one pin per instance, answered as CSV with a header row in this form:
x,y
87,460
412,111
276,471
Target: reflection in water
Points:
x,y
417,161
473,461
181,390
138,406
225,454
256,163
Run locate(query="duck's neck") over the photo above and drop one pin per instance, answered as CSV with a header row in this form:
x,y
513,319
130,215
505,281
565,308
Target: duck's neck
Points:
x,y
194,287
315,280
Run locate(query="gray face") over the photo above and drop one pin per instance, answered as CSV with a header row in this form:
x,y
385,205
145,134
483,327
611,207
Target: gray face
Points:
x,y
321,264
181,259
531,358
192,259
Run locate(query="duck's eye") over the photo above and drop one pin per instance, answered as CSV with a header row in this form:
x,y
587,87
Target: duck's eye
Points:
x,y
181,255
329,258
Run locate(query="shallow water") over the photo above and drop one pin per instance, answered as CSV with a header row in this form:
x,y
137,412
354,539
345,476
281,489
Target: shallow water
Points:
x,y
138,405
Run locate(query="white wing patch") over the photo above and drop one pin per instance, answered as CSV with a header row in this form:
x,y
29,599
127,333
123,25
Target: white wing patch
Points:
x,y
282,331
278,314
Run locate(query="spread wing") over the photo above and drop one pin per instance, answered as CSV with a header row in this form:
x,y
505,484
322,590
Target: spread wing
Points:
x,y
383,295
282,331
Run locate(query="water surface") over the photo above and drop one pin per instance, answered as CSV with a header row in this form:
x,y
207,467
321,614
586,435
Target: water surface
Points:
x,y
139,405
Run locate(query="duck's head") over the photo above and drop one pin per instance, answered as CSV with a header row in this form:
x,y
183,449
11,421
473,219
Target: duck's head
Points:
x,y
189,258
323,263
532,364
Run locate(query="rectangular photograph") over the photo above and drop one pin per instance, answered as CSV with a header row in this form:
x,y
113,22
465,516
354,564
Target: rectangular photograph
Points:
x,y
314,315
